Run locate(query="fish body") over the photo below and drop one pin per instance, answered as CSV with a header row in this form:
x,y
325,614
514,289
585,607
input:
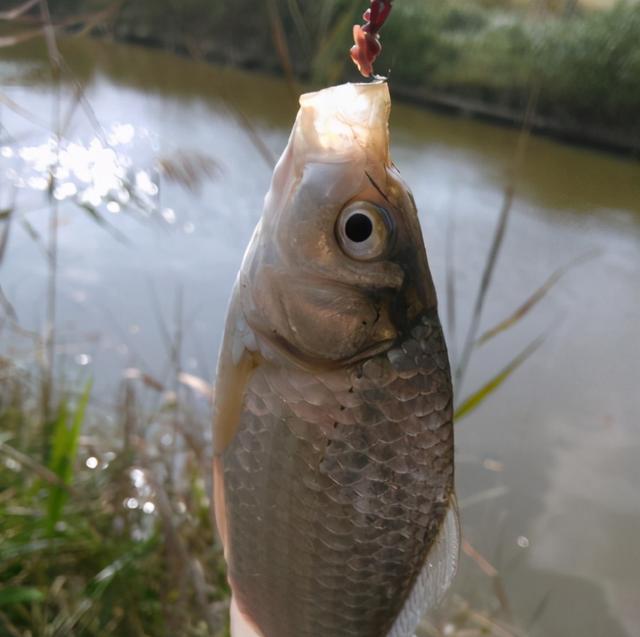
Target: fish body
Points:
x,y
333,467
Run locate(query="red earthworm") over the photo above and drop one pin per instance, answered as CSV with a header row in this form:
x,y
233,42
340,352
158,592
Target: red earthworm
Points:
x,y
367,45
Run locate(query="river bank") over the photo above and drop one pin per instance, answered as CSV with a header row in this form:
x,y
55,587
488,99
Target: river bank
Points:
x,y
484,61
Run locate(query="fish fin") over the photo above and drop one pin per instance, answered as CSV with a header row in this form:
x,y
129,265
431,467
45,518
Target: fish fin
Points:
x,y
238,358
240,625
435,578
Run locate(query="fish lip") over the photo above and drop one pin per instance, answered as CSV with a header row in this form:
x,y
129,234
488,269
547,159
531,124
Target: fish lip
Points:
x,y
312,363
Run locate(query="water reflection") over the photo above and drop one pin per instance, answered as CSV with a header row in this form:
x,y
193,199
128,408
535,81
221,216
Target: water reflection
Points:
x,y
96,173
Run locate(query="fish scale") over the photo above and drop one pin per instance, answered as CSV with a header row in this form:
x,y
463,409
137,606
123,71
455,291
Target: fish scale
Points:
x,y
331,518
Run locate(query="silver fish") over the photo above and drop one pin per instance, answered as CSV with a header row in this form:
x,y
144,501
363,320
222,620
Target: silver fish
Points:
x,y
333,466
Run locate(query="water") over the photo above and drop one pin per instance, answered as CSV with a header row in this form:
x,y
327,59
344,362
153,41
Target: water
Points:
x,y
548,475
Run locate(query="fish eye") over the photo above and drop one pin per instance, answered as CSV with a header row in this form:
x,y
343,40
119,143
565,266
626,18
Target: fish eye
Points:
x,y
363,230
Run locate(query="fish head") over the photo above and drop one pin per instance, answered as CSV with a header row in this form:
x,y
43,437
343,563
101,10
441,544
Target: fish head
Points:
x,y
337,269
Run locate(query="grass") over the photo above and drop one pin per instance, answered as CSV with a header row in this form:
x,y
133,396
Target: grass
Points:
x,y
98,536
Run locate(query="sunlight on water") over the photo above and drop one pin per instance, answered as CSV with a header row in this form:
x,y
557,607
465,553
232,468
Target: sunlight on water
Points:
x,y
98,173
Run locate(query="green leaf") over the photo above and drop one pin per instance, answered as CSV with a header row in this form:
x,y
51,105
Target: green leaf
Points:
x,y
65,446
19,595
472,402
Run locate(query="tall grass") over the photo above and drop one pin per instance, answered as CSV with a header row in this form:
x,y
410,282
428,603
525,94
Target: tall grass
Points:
x,y
102,536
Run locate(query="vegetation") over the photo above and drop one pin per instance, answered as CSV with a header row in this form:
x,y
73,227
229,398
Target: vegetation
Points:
x,y
103,537
586,66
480,56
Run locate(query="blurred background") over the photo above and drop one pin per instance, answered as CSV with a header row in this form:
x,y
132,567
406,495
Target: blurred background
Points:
x,y
137,141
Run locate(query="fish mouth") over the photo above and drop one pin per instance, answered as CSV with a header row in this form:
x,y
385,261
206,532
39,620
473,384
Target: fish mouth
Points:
x,y
338,121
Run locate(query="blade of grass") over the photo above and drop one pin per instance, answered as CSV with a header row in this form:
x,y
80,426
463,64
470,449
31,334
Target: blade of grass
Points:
x,y
100,17
539,611
16,12
118,567
47,362
329,60
26,550
491,625
498,237
23,112
472,402
483,563
282,47
11,40
534,299
35,236
301,27
324,18
102,222
5,217
65,446
19,595
45,474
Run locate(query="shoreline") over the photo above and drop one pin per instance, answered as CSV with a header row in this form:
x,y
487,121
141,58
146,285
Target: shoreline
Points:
x,y
600,139
594,139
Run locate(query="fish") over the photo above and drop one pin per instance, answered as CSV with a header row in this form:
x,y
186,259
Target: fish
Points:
x,y
333,436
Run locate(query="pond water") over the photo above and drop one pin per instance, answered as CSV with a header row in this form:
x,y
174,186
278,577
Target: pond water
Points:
x,y
548,468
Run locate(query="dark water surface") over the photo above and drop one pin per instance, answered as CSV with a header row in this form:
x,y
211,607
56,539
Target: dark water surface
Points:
x,y
548,467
